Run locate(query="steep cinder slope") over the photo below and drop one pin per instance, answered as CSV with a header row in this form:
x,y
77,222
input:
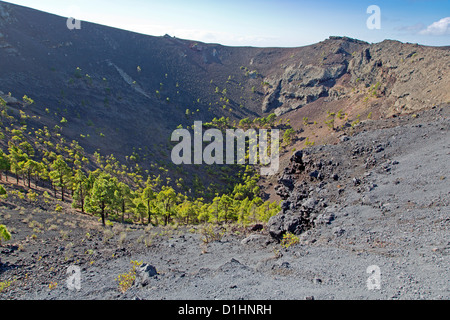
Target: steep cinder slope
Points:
x,y
133,88
129,91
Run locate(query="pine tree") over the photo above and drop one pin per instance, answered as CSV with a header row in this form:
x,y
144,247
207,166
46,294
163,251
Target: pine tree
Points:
x,y
245,123
148,196
213,209
243,209
270,120
289,134
186,210
167,199
139,209
123,197
31,168
81,189
60,175
5,164
226,208
203,213
102,195
17,158
267,210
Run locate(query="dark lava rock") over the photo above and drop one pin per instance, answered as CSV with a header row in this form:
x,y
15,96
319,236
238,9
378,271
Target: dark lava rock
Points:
x,y
288,222
143,275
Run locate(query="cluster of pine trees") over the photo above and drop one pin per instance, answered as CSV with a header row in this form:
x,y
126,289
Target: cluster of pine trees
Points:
x,y
43,158
269,122
100,193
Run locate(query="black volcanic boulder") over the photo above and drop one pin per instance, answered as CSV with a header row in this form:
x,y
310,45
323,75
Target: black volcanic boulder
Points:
x,y
282,223
296,219
297,156
143,275
289,222
286,181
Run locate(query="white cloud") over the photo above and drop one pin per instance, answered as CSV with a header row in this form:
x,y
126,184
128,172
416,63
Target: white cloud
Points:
x,y
438,28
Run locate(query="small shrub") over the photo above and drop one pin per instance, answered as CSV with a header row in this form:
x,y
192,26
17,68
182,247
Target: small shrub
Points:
x,y
148,241
309,143
32,196
77,73
52,227
108,234
52,285
27,100
289,240
35,225
4,234
46,196
64,235
330,124
122,237
356,122
376,86
5,285
277,253
210,234
126,280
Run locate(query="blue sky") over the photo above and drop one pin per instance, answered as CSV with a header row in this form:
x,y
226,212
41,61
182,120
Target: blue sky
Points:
x,y
264,23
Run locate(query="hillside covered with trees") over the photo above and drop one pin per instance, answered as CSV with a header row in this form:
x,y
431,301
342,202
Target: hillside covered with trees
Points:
x,y
43,164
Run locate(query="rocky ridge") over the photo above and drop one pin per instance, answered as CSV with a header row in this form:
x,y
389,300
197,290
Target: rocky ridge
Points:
x,y
404,75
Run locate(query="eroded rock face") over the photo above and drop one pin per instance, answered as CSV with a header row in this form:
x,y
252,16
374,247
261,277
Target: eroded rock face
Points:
x,y
404,75
403,71
300,85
